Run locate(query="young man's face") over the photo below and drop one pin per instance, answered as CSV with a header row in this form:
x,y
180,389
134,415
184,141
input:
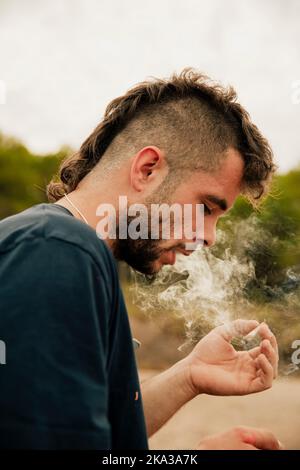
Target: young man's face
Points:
x,y
216,191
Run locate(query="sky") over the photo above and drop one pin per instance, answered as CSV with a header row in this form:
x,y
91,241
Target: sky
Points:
x,y
62,61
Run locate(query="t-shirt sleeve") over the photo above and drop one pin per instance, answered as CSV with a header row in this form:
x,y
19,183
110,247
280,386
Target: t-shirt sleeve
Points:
x,y
54,387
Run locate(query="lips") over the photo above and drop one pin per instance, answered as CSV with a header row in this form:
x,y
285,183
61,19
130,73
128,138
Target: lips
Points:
x,y
169,257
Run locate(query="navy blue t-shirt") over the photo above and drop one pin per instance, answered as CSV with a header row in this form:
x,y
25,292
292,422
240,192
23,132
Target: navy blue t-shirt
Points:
x,y
70,379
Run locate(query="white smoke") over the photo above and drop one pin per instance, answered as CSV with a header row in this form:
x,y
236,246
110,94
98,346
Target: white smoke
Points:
x,y
207,289
202,289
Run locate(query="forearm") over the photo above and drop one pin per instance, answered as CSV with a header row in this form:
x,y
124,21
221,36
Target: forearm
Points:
x,y
166,393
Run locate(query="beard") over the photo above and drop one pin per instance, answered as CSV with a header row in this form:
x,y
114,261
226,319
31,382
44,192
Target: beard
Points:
x,y
139,254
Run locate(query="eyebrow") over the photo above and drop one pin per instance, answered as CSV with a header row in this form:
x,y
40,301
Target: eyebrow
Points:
x,y
222,203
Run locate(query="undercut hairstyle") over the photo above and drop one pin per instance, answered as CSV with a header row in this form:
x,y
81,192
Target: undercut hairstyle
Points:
x,y
193,119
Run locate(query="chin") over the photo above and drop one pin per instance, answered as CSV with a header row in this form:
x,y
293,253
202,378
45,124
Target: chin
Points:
x,y
150,270
156,266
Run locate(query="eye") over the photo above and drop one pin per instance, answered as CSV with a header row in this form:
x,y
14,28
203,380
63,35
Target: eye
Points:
x,y
207,210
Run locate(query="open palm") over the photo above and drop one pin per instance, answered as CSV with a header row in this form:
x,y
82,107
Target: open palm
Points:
x,y
218,369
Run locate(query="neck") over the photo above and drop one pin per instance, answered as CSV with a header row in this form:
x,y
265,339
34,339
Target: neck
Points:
x,y
83,204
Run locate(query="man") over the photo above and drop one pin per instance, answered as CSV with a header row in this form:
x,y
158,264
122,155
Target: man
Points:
x,y
70,380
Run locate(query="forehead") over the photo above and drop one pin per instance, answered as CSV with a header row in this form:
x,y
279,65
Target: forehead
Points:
x,y
224,183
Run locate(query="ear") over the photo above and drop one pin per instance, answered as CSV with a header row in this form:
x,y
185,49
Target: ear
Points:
x,y
147,166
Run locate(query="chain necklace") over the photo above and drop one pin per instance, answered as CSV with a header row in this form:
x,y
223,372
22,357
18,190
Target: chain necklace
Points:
x,y
76,208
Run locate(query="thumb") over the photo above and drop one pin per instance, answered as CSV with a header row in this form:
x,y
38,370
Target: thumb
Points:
x,y
264,440
236,328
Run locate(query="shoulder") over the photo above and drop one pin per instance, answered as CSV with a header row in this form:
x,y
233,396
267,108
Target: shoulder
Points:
x,y
49,225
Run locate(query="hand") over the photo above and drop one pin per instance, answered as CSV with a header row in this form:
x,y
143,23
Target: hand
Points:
x,y
216,368
241,438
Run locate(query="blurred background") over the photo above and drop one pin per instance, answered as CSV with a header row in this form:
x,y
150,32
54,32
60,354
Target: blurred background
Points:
x,y
63,61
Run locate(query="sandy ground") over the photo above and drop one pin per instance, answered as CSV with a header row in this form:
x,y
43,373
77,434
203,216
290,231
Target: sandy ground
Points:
x,y
277,409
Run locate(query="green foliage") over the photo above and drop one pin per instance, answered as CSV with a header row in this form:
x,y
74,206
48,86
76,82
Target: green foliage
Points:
x,y
23,176
270,235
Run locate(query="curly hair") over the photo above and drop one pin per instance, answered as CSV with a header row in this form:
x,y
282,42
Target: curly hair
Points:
x,y
192,117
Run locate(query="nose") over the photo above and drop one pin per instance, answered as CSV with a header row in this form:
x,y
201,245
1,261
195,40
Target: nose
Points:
x,y
209,235
206,237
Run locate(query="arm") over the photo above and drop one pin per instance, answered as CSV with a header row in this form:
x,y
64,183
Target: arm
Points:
x,y
164,394
58,353
215,368
167,392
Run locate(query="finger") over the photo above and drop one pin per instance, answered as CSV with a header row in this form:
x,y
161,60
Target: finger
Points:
x,y
267,370
281,446
265,333
254,352
236,328
271,355
263,439
258,385
273,342
249,447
